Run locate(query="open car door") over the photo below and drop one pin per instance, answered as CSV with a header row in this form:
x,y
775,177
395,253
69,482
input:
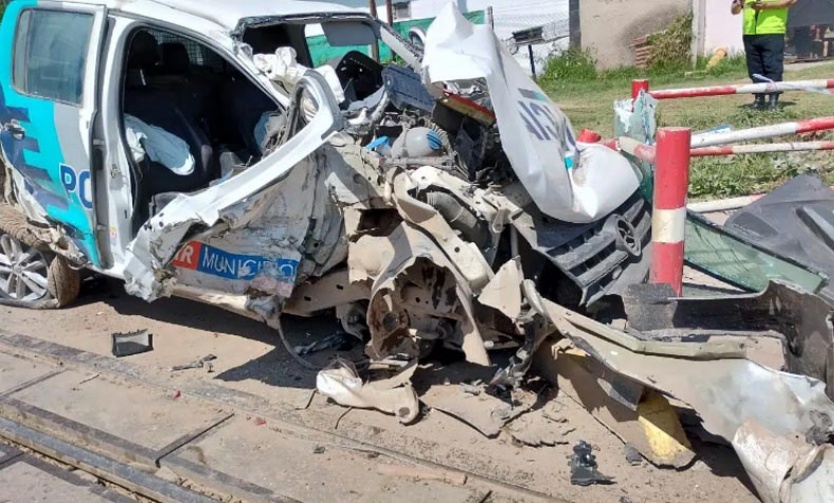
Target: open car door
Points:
x,y
48,103
147,274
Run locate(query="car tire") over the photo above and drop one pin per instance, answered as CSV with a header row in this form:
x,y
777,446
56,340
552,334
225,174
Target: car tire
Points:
x,y
63,282
31,275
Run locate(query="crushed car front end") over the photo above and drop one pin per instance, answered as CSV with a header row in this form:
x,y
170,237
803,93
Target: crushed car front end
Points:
x,y
421,179
477,170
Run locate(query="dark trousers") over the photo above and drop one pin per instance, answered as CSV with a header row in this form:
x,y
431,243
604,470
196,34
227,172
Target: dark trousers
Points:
x,y
765,56
803,40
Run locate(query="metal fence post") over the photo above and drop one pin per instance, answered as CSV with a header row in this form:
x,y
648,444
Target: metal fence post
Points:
x,y
671,183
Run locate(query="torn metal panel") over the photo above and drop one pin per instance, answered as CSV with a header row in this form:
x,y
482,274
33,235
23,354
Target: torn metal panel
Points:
x,y
567,322
466,256
232,303
783,468
484,412
270,246
329,291
536,135
405,258
725,392
229,202
638,417
504,291
801,320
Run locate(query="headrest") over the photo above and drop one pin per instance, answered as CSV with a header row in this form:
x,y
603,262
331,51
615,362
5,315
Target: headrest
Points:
x,y
144,52
175,58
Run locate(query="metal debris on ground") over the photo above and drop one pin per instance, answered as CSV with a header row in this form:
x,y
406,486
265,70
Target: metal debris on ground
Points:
x,y
198,364
583,466
341,383
132,343
475,388
632,455
785,468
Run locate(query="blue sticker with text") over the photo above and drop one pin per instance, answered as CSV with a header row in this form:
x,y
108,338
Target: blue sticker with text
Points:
x,y
210,260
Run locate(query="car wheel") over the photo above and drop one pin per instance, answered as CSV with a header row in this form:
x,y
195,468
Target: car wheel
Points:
x,y
30,277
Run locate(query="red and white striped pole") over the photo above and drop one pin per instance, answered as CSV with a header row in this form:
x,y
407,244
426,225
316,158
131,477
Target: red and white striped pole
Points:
x,y
763,148
756,133
815,86
671,183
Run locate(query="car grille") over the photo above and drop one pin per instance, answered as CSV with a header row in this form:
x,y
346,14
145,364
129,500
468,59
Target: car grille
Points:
x,y
592,255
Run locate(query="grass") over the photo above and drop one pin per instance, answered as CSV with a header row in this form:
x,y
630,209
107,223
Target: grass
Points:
x,y
587,97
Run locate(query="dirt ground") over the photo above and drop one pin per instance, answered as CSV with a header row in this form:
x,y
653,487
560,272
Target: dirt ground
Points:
x,y
251,359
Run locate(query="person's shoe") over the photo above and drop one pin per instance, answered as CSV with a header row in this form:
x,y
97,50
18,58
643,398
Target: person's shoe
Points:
x,y
758,102
774,102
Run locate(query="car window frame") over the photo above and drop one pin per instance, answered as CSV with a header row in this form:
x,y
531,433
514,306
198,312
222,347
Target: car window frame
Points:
x,y
14,58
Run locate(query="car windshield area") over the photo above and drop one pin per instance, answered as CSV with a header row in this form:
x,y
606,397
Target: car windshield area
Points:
x,y
352,52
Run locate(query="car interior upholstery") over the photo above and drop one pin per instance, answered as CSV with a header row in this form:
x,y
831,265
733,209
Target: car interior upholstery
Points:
x,y
188,90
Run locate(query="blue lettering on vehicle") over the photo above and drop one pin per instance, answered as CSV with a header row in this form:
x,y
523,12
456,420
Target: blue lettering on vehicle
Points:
x,y
539,119
77,183
210,260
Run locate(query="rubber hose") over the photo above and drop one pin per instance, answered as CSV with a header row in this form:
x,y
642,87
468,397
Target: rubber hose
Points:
x,y
459,217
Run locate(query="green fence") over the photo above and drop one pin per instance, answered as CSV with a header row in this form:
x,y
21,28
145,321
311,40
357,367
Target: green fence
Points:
x,y
322,52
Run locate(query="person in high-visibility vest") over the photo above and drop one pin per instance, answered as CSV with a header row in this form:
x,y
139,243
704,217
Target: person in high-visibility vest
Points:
x,y
765,25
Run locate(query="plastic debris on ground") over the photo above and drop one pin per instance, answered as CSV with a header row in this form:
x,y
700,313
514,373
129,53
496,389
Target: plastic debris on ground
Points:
x,y
132,343
341,383
583,466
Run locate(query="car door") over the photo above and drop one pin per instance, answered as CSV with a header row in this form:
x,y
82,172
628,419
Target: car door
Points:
x,y
230,202
48,96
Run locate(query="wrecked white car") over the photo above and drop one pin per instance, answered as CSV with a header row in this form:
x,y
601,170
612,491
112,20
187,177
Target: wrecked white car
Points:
x,y
196,152
196,149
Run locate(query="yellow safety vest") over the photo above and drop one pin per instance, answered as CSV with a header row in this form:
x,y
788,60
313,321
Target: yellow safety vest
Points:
x,y
764,22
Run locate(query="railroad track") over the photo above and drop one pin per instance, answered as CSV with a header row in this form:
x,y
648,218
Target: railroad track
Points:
x,y
44,480
84,410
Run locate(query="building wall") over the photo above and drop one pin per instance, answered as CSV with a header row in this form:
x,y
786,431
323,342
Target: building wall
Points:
x,y
608,27
720,28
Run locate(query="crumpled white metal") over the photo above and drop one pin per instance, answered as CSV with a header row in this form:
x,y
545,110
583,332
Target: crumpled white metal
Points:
x,y
283,67
536,136
394,396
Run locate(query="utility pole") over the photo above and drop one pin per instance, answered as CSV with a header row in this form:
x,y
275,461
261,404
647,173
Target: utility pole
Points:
x,y
390,10
375,45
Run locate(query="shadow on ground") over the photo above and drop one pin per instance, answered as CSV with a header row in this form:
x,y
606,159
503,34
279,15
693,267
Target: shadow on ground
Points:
x,y
275,368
